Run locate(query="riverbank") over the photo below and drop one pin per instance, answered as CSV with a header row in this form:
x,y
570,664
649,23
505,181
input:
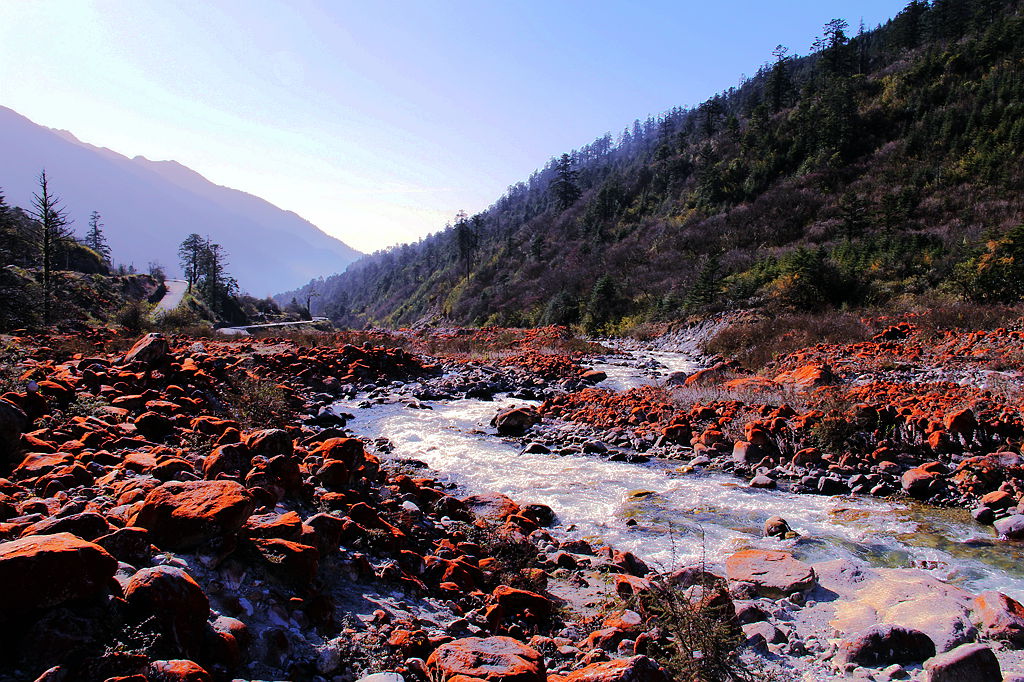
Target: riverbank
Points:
x,y
315,555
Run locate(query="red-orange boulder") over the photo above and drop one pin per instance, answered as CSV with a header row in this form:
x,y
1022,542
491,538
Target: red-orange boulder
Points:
x,y
45,570
635,669
176,602
494,659
179,514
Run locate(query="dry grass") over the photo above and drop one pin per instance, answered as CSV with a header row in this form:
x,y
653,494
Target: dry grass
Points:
x,y
967,317
757,342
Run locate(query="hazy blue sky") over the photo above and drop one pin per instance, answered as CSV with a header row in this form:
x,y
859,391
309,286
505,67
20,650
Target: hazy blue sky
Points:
x,y
378,120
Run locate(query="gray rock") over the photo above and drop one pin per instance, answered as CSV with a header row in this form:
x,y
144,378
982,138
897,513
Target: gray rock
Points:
x,y
966,663
1011,527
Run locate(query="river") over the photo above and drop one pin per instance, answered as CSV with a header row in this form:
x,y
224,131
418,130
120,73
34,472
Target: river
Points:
x,y
683,516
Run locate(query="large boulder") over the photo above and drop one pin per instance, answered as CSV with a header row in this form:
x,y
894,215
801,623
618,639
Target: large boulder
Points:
x,y
907,598
233,460
516,421
772,574
175,601
966,663
494,659
883,645
152,349
270,442
44,570
180,515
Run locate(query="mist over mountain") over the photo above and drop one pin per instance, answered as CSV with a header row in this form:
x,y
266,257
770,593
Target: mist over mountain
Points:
x,y
148,208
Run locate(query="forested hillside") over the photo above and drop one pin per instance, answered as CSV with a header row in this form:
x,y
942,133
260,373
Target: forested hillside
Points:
x,y
882,165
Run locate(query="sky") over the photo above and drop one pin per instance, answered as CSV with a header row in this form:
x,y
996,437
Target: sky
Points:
x,y
379,120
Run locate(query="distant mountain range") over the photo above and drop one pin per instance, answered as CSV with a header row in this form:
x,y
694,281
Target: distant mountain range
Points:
x,y
148,207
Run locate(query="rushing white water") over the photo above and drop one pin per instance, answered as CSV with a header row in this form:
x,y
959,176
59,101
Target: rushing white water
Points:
x,y
624,373
682,517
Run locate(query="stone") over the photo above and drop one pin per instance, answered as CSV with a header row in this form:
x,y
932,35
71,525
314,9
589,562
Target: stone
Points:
x,y
966,663
40,571
882,645
270,442
129,544
182,515
773,574
232,459
151,350
494,659
999,617
518,601
290,561
154,426
1010,527
635,669
908,598
516,421
177,671
776,527
287,526
807,377
86,525
176,602
492,505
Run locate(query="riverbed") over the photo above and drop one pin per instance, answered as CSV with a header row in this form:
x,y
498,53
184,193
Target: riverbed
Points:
x,y
671,515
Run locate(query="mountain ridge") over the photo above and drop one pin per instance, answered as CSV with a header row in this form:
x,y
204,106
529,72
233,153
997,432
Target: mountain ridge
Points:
x,y
875,167
149,207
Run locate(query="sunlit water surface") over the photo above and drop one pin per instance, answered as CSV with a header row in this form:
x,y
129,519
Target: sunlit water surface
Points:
x,y
684,516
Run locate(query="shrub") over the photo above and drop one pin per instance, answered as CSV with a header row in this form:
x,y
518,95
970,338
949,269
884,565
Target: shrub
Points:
x,y
256,402
706,640
133,317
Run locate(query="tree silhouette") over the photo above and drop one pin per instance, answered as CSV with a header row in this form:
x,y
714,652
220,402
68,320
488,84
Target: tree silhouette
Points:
x,y
52,231
95,239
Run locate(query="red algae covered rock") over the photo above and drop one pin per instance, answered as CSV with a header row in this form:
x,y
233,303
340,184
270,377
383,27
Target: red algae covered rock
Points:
x,y
494,659
178,671
774,574
807,377
174,600
150,350
185,514
45,570
635,669
999,617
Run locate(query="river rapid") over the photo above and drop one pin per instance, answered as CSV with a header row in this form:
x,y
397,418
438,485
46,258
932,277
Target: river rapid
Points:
x,y
671,515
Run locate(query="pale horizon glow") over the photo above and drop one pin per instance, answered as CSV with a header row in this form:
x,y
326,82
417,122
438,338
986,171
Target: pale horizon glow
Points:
x,y
379,121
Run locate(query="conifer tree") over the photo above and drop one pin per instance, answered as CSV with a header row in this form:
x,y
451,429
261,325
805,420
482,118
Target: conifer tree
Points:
x,y
52,231
95,239
190,254
564,185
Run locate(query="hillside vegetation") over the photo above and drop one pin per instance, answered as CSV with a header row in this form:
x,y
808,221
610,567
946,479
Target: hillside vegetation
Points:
x,y
881,167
